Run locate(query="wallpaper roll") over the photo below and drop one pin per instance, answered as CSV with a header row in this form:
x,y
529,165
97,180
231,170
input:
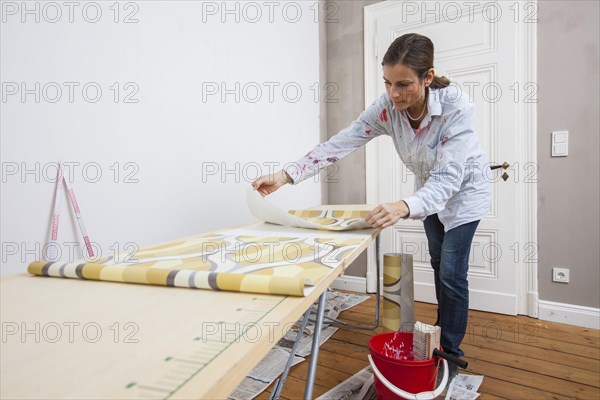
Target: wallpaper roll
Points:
x,y
262,258
398,293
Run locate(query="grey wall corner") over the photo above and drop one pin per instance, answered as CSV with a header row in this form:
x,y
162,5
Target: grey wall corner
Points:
x,y
322,105
345,70
568,187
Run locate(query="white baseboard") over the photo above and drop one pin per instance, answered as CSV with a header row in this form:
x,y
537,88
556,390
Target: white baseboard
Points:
x,y
478,299
351,283
571,314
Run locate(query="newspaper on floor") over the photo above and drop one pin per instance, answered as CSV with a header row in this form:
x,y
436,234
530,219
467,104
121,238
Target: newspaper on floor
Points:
x,y
353,299
464,387
352,388
333,306
335,301
263,374
469,382
367,392
305,346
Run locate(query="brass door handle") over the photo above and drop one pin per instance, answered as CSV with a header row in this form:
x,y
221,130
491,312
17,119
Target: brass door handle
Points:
x,y
504,165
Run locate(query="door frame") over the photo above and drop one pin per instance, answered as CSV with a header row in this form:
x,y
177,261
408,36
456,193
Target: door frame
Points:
x,y
526,202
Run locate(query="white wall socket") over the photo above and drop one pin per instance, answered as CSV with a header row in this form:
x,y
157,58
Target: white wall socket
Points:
x,y
560,275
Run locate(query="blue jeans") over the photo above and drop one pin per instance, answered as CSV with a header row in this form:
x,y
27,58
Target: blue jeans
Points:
x,y
449,253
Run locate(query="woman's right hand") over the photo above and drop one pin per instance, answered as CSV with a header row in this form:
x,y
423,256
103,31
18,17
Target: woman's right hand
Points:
x,y
267,184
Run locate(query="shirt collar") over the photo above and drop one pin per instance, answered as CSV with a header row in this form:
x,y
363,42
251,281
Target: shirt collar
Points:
x,y
434,105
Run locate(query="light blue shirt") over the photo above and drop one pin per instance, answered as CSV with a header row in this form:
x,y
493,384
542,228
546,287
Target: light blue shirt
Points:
x,y
444,153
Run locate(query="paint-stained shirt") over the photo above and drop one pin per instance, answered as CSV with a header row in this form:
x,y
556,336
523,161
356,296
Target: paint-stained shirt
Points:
x,y
451,170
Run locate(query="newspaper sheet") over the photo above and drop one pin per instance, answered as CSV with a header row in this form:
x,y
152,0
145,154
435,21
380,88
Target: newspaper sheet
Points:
x,y
353,300
351,388
263,374
304,347
464,387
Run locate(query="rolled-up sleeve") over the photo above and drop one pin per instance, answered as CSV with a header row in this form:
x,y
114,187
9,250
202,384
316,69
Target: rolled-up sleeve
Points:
x,y
372,122
456,143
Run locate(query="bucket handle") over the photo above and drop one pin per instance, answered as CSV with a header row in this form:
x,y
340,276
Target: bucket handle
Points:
x,y
407,395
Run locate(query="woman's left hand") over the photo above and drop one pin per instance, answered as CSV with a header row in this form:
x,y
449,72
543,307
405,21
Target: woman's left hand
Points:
x,y
387,214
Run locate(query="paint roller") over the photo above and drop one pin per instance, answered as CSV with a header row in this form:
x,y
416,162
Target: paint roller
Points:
x,y
426,344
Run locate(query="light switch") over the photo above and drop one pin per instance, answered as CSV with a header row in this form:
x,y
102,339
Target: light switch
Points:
x,y
560,144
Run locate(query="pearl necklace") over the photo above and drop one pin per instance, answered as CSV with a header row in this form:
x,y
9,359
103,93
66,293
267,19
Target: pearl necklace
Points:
x,y
419,117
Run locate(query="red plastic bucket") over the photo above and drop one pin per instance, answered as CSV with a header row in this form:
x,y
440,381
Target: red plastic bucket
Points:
x,y
412,377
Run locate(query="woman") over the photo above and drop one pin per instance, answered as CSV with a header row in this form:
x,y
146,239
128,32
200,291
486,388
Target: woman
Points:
x,y
432,127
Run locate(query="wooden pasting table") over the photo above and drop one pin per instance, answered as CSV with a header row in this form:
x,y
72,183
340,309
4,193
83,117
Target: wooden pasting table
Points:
x,y
67,338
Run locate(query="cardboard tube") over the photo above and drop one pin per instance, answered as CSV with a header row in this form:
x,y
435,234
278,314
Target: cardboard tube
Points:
x,y
398,293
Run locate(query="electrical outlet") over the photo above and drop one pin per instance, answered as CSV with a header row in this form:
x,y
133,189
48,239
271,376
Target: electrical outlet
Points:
x,y
560,275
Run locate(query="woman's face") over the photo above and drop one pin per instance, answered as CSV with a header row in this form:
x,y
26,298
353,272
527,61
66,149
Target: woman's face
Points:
x,y
404,87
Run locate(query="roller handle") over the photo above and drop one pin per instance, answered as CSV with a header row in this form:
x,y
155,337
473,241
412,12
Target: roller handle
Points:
x,y
449,357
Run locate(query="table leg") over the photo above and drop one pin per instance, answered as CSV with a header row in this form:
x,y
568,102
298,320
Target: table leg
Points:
x,y
314,353
278,387
377,297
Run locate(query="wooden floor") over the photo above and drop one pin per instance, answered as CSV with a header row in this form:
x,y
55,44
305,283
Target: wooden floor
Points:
x,y
520,357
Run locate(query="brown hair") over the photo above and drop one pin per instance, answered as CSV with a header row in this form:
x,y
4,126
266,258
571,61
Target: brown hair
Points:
x,y
416,52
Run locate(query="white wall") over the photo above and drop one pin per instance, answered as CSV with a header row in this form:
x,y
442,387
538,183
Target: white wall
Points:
x,y
168,135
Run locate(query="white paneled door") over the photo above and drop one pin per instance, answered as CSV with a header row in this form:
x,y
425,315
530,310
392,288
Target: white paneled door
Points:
x,y
488,49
